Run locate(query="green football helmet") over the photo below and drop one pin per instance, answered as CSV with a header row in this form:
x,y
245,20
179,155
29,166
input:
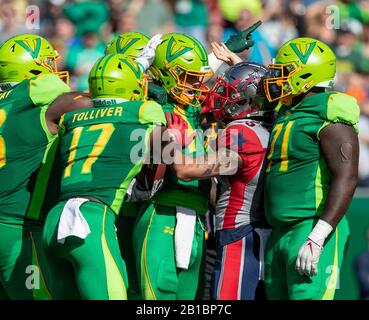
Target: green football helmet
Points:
x,y
117,76
26,56
180,65
130,44
300,65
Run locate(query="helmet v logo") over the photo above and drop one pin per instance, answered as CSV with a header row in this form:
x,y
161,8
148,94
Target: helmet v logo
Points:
x,y
136,71
303,56
123,48
173,53
34,52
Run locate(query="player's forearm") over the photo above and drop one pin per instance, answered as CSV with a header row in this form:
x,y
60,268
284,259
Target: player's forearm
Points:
x,y
188,169
65,103
224,162
340,148
339,198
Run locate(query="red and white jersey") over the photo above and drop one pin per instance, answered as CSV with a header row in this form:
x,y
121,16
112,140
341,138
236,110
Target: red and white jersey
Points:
x,y
240,195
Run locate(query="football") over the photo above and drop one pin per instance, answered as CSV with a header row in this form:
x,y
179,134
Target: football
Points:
x,y
151,173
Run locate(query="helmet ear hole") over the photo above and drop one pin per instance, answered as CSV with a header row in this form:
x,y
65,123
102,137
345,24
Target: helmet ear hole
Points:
x,y
165,74
35,72
305,76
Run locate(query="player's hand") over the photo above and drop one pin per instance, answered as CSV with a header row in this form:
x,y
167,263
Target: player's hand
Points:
x,y
147,56
157,93
309,253
178,129
242,40
224,54
138,191
308,258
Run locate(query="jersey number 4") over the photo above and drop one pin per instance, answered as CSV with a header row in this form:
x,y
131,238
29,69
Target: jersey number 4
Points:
x,y
2,141
278,129
106,129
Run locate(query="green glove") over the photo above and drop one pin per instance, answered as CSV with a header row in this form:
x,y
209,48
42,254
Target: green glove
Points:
x,y
157,93
242,40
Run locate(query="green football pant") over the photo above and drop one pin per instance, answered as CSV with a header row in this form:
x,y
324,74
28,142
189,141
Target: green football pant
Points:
x,y
21,258
158,275
90,268
282,280
125,225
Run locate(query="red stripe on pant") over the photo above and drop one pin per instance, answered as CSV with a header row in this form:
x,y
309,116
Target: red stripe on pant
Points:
x,y
232,262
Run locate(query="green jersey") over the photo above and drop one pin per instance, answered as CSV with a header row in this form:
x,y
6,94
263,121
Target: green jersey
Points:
x,y
175,192
297,178
26,147
102,148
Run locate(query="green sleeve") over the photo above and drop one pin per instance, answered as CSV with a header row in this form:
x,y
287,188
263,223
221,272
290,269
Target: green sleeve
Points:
x,y
46,88
151,112
342,108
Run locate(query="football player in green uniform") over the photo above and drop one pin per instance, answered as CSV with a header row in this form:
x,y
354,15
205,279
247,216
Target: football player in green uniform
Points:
x,y
79,237
132,44
29,114
311,174
168,267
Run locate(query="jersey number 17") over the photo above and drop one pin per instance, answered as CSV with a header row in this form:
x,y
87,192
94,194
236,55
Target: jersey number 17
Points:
x,y
106,129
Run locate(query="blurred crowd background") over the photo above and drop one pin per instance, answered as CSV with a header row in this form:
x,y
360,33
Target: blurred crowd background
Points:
x,y
80,29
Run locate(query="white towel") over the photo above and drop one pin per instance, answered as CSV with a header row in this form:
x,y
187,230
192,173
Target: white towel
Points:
x,y
183,236
72,222
264,235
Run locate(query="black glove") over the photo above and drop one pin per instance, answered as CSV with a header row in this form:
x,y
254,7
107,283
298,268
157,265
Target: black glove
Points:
x,y
157,93
242,40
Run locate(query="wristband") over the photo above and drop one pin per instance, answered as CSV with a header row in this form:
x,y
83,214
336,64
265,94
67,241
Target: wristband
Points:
x,y
320,232
214,62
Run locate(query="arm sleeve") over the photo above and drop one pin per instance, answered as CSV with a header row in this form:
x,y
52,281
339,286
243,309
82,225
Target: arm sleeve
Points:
x,y
46,88
341,108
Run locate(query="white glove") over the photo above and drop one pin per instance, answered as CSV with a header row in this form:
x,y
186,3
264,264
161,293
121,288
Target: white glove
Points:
x,y
137,192
147,55
310,251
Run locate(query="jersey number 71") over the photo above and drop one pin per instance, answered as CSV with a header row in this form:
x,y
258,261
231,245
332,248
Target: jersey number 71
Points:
x,y
278,129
